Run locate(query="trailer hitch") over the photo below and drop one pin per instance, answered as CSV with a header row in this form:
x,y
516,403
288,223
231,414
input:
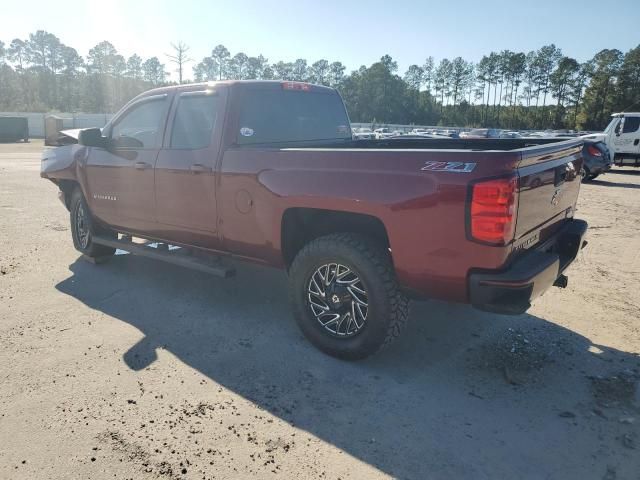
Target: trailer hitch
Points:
x,y
562,281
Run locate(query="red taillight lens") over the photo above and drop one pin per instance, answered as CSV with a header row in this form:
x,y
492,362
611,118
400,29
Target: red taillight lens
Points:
x,y
593,151
304,87
493,210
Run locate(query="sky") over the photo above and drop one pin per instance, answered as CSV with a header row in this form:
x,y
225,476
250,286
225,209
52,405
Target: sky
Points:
x,y
353,32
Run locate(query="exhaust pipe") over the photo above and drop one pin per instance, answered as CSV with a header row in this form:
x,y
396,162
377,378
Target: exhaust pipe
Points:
x,y
562,281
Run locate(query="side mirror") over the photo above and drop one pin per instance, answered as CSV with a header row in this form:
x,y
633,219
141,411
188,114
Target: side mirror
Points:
x,y
92,137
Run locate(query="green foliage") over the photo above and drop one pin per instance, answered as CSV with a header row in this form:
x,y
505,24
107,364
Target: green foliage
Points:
x,y
600,96
535,90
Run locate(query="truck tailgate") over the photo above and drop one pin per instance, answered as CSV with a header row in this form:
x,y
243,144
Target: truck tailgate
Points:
x,y
549,185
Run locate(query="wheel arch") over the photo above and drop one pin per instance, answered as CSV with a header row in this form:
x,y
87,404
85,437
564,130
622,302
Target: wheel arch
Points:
x,y
300,225
67,187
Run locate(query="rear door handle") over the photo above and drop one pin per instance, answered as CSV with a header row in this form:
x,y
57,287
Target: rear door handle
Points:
x,y
142,165
198,168
636,141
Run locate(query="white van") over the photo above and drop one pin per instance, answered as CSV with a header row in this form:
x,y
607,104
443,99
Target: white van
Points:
x,y
622,137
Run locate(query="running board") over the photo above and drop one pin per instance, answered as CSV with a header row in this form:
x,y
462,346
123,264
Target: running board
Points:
x,y
176,256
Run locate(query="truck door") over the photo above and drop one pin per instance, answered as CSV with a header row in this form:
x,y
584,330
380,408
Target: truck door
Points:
x,y
626,140
120,178
186,169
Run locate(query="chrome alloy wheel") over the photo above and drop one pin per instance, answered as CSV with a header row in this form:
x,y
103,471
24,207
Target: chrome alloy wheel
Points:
x,y
338,300
82,226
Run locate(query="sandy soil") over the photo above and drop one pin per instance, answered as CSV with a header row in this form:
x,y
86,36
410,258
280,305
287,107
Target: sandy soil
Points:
x,y
136,369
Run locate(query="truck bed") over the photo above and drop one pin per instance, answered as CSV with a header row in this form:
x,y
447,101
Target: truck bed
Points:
x,y
472,144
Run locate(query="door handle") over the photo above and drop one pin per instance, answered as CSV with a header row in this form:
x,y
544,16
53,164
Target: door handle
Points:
x,y
635,142
198,168
141,165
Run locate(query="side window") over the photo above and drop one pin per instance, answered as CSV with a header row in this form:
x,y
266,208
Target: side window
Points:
x,y
140,127
631,124
194,121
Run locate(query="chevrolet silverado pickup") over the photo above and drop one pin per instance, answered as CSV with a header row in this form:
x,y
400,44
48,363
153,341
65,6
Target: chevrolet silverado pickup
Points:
x,y
269,172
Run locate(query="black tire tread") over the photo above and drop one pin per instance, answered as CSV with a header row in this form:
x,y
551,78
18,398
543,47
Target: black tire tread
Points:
x,y
93,250
380,259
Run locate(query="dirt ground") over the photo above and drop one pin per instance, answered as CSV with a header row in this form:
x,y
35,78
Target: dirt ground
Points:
x,y
141,370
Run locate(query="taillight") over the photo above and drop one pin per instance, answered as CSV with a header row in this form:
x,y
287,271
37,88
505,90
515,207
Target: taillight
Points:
x,y
493,210
305,87
594,151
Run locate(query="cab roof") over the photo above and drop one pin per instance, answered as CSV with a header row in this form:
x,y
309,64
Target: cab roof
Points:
x,y
232,83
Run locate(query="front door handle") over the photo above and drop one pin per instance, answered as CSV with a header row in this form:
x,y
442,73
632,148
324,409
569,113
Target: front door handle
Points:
x,y
141,165
636,141
198,168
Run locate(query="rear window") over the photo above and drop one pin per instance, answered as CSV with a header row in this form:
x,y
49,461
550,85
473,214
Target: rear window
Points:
x,y
277,116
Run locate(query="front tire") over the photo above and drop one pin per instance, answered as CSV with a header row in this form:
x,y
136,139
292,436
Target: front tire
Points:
x,y
345,296
83,228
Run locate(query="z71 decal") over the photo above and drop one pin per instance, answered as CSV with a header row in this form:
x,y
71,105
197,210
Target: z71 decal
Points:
x,y
456,167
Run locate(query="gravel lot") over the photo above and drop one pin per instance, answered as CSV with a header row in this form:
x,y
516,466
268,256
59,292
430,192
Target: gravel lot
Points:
x,y
136,369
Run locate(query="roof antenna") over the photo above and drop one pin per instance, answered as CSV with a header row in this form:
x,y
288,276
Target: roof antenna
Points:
x,y
630,107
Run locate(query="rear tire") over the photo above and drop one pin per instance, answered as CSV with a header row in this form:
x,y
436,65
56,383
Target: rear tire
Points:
x,y
83,228
361,310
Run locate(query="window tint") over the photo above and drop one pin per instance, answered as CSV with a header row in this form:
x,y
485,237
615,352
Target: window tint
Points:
x,y
631,124
272,116
140,127
194,121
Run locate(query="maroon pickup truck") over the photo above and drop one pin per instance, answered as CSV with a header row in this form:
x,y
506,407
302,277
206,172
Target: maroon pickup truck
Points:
x,y
269,172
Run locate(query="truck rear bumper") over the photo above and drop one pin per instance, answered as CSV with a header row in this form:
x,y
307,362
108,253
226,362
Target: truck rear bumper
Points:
x,y
511,291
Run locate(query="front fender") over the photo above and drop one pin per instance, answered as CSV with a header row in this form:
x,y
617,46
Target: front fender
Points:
x,y
60,163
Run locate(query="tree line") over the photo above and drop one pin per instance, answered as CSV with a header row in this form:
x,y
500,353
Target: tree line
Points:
x,y
533,90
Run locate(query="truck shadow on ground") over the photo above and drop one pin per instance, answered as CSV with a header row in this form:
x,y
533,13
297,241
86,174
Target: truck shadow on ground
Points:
x,y
462,394
605,183
627,171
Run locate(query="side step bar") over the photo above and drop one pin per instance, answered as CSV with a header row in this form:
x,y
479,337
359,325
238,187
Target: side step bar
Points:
x,y
177,256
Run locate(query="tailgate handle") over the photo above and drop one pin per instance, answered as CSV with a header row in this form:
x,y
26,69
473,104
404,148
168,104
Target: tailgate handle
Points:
x,y
564,173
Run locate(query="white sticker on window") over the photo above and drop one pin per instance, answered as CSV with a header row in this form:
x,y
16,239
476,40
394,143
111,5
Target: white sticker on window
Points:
x,y
246,132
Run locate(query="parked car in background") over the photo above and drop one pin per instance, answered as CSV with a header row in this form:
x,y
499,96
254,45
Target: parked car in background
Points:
x,y
446,133
622,138
13,129
363,133
481,133
597,159
506,134
385,132
535,134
